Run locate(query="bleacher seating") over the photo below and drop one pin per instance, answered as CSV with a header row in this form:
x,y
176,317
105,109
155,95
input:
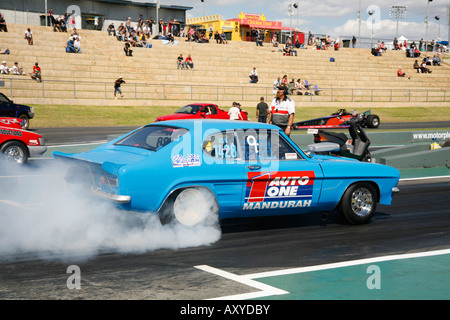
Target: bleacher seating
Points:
x,y
220,75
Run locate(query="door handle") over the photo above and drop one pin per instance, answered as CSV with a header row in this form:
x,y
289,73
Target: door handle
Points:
x,y
254,167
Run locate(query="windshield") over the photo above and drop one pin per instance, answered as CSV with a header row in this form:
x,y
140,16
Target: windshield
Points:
x,y
189,109
152,137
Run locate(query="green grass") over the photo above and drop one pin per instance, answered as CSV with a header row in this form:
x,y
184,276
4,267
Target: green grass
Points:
x,y
100,116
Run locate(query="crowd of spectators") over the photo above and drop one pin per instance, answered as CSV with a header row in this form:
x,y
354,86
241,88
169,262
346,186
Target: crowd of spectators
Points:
x,y
297,87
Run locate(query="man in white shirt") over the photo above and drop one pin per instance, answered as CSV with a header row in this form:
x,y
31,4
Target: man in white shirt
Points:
x,y
77,44
4,68
282,110
29,36
235,112
253,76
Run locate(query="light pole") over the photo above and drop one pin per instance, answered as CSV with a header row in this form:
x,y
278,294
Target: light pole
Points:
x,y
359,28
439,27
290,13
397,13
426,28
370,12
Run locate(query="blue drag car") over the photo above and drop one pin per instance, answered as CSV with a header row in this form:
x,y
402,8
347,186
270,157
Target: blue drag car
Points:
x,y
186,169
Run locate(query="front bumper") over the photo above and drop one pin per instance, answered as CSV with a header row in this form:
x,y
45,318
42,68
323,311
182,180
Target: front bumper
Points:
x,y
37,150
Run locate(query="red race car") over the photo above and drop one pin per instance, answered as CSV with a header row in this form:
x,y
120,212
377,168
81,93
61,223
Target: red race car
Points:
x,y
198,111
337,119
17,145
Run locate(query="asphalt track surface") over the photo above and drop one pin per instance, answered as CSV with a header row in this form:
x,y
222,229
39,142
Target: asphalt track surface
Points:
x,y
417,221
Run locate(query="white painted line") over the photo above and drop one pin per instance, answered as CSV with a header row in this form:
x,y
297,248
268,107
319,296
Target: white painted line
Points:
x,y
265,290
27,207
425,178
346,264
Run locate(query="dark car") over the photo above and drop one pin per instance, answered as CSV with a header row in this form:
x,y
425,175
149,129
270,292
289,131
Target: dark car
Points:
x,y
10,109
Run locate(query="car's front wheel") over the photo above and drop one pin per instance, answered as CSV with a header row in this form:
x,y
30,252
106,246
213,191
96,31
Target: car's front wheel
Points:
x,y
191,206
26,121
14,152
358,203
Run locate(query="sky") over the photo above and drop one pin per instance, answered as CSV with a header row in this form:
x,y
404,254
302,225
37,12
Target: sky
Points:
x,y
334,17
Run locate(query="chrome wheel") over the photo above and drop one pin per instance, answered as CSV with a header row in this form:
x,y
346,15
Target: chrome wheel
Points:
x,y
362,202
14,153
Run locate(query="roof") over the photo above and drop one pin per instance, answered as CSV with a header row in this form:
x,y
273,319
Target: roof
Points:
x,y
145,4
212,124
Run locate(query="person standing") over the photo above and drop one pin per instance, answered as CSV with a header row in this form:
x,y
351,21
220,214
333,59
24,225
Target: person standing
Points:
x,y
282,110
261,110
235,112
117,87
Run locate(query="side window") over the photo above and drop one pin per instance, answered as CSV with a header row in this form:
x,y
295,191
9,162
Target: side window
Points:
x,y
221,145
249,145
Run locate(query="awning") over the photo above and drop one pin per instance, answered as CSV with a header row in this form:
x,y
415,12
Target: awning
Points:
x,y
256,26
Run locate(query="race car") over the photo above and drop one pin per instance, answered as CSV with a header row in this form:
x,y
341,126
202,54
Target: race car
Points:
x,y
199,111
337,119
16,144
186,170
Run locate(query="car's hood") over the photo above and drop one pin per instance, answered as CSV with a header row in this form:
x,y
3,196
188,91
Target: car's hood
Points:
x,y
176,116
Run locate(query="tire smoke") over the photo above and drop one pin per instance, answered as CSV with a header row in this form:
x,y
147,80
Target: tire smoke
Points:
x,y
41,215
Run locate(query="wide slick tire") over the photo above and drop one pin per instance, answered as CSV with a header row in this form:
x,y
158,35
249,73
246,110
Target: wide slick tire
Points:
x,y
359,202
373,121
192,206
14,152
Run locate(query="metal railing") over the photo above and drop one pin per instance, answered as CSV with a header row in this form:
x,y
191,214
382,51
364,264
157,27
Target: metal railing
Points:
x,y
21,87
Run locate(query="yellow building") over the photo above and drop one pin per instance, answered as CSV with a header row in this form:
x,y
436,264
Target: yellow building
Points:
x,y
238,29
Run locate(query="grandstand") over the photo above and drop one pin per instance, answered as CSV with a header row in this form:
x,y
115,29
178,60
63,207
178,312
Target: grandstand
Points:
x,y
356,78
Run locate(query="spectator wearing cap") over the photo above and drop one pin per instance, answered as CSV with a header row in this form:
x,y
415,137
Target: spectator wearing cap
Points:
x,y
117,87
4,68
282,110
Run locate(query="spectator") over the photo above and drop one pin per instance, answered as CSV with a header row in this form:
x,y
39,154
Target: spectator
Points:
x,y
235,112
282,110
117,87
275,40
70,45
29,36
127,49
96,20
217,37
111,30
286,49
400,73
253,76
436,60
140,23
180,62
17,70
424,68
417,67
354,41
284,81
188,62
261,110
36,75
3,26
223,37
50,19
276,83
128,24
77,44
259,39
4,51
4,68
62,24
299,87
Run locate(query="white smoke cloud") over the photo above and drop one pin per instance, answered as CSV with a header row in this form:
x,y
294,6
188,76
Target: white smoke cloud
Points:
x,y
41,215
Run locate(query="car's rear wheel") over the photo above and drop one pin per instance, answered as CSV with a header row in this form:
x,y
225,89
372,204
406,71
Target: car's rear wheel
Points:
x,y
26,121
190,206
373,121
358,203
14,152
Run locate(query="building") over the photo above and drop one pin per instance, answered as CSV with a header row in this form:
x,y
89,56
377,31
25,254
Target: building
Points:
x,y
240,29
32,12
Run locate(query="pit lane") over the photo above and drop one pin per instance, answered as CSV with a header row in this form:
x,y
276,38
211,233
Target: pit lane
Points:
x,y
418,221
